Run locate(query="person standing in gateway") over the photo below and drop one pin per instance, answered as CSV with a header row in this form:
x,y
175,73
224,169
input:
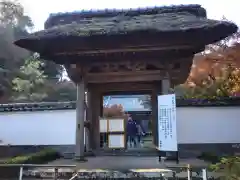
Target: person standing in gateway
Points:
x,y
131,132
140,134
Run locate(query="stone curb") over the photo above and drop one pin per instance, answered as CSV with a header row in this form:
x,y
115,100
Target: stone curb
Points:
x,y
100,173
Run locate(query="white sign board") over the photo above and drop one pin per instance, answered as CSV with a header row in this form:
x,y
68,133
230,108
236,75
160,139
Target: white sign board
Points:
x,y
103,125
167,124
116,125
116,141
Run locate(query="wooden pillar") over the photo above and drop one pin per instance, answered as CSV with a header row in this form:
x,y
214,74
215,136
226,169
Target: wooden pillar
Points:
x,y
80,111
95,113
91,117
97,121
101,104
89,120
86,129
154,124
166,85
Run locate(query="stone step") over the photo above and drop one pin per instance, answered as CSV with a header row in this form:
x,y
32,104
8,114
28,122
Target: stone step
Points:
x,y
184,154
70,155
145,153
126,153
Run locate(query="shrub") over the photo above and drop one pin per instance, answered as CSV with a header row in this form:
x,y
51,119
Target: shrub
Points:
x,y
43,156
210,157
229,167
113,111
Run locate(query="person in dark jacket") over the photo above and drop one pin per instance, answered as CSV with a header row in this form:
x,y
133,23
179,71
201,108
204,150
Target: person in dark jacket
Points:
x,y
131,132
140,134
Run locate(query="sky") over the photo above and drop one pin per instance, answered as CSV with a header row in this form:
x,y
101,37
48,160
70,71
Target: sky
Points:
x,y
39,10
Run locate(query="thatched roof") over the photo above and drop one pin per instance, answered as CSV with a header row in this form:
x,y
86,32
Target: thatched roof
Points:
x,y
86,30
78,16
123,24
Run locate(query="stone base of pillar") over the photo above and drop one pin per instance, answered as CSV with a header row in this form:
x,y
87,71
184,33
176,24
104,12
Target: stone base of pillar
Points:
x,y
80,159
89,153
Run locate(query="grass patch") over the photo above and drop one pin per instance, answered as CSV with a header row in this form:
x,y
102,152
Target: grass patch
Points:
x,y
40,157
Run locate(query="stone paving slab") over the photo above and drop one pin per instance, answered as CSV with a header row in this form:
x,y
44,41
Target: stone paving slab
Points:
x,y
127,162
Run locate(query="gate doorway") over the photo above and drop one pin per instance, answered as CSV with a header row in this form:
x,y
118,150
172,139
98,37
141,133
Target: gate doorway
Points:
x,y
137,112
100,94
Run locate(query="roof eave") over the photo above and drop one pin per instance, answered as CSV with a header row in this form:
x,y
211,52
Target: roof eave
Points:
x,y
211,34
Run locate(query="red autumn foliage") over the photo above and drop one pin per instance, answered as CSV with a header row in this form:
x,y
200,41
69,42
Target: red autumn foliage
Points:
x,y
219,56
115,110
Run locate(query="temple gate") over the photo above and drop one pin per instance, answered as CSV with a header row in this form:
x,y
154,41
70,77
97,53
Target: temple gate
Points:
x,y
111,51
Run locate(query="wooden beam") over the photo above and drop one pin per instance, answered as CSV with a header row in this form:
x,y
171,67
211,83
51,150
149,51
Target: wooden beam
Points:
x,y
141,76
124,40
86,59
133,78
124,86
127,71
124,50
124,77
112,93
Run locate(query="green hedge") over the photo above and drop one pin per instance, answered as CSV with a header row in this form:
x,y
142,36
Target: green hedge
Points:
x,y
210,157
41,157
229,167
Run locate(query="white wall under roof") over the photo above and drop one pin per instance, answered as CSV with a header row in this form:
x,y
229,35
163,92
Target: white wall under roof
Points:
x,y
194,125
38,127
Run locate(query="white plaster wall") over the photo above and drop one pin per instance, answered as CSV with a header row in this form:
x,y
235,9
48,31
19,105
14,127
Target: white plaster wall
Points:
x,y
194,125
38,128
208,125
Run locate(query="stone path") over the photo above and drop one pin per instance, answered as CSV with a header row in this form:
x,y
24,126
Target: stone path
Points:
x,y
126,162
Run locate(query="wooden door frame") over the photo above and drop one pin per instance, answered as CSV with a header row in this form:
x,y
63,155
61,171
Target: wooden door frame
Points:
x,y
152,88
